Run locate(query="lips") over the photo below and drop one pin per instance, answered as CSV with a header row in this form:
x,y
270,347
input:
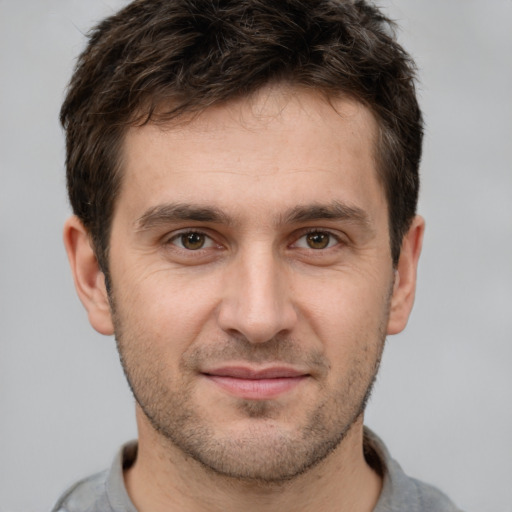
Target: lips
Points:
x,y
256,384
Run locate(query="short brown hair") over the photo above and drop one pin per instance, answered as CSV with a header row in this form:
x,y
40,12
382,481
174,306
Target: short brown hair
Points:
x,y
157,59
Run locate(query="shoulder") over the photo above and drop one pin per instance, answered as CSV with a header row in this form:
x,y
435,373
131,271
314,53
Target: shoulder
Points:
x,y
416,496
102,492
87,495
401,492
431,498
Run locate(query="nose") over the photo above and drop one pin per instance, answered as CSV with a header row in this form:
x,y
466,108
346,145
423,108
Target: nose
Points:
x,y
257,302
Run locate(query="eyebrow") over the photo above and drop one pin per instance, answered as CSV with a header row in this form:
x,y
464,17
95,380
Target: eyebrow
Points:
x,y
173,212
168,213
334,210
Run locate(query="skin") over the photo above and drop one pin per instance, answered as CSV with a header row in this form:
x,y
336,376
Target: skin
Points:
x,y
252,290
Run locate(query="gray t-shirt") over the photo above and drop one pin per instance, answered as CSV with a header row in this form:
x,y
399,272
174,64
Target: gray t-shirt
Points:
x,y
106,492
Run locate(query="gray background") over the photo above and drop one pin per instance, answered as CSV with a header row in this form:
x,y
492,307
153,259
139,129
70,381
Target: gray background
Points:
x,y
443,401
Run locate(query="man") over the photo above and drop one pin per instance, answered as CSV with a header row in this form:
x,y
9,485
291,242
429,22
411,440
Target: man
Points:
x,y
244,179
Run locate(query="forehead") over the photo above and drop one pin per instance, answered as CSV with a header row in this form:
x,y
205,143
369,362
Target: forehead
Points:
x,y
277,148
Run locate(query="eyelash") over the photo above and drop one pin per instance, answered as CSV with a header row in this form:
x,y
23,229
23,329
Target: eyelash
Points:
x,y
208,239
332,237
211,242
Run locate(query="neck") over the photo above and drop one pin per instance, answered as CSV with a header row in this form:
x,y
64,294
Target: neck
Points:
x,y
163,479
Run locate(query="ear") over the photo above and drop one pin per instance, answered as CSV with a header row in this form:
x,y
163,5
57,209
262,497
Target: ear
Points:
x,y
404,287
88,277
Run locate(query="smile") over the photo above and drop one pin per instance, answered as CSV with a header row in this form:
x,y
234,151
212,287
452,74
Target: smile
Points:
x,y
253,384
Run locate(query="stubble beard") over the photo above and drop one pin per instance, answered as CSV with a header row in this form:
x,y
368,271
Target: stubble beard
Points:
x,y
264,453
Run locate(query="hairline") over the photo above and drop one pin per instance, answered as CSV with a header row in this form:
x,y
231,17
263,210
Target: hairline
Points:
x,y
149,113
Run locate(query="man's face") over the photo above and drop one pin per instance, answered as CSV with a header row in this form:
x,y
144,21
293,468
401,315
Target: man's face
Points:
x,y
251,279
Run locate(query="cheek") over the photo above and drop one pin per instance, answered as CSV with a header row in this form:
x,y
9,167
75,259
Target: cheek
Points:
x,y
344,307
166,307
351,329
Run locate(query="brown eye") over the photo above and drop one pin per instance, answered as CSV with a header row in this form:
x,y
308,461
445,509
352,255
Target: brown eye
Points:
x,y
318,240
192,241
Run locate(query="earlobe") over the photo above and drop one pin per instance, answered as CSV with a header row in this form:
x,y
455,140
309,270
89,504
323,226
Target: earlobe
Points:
x,y
404,287
88,277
